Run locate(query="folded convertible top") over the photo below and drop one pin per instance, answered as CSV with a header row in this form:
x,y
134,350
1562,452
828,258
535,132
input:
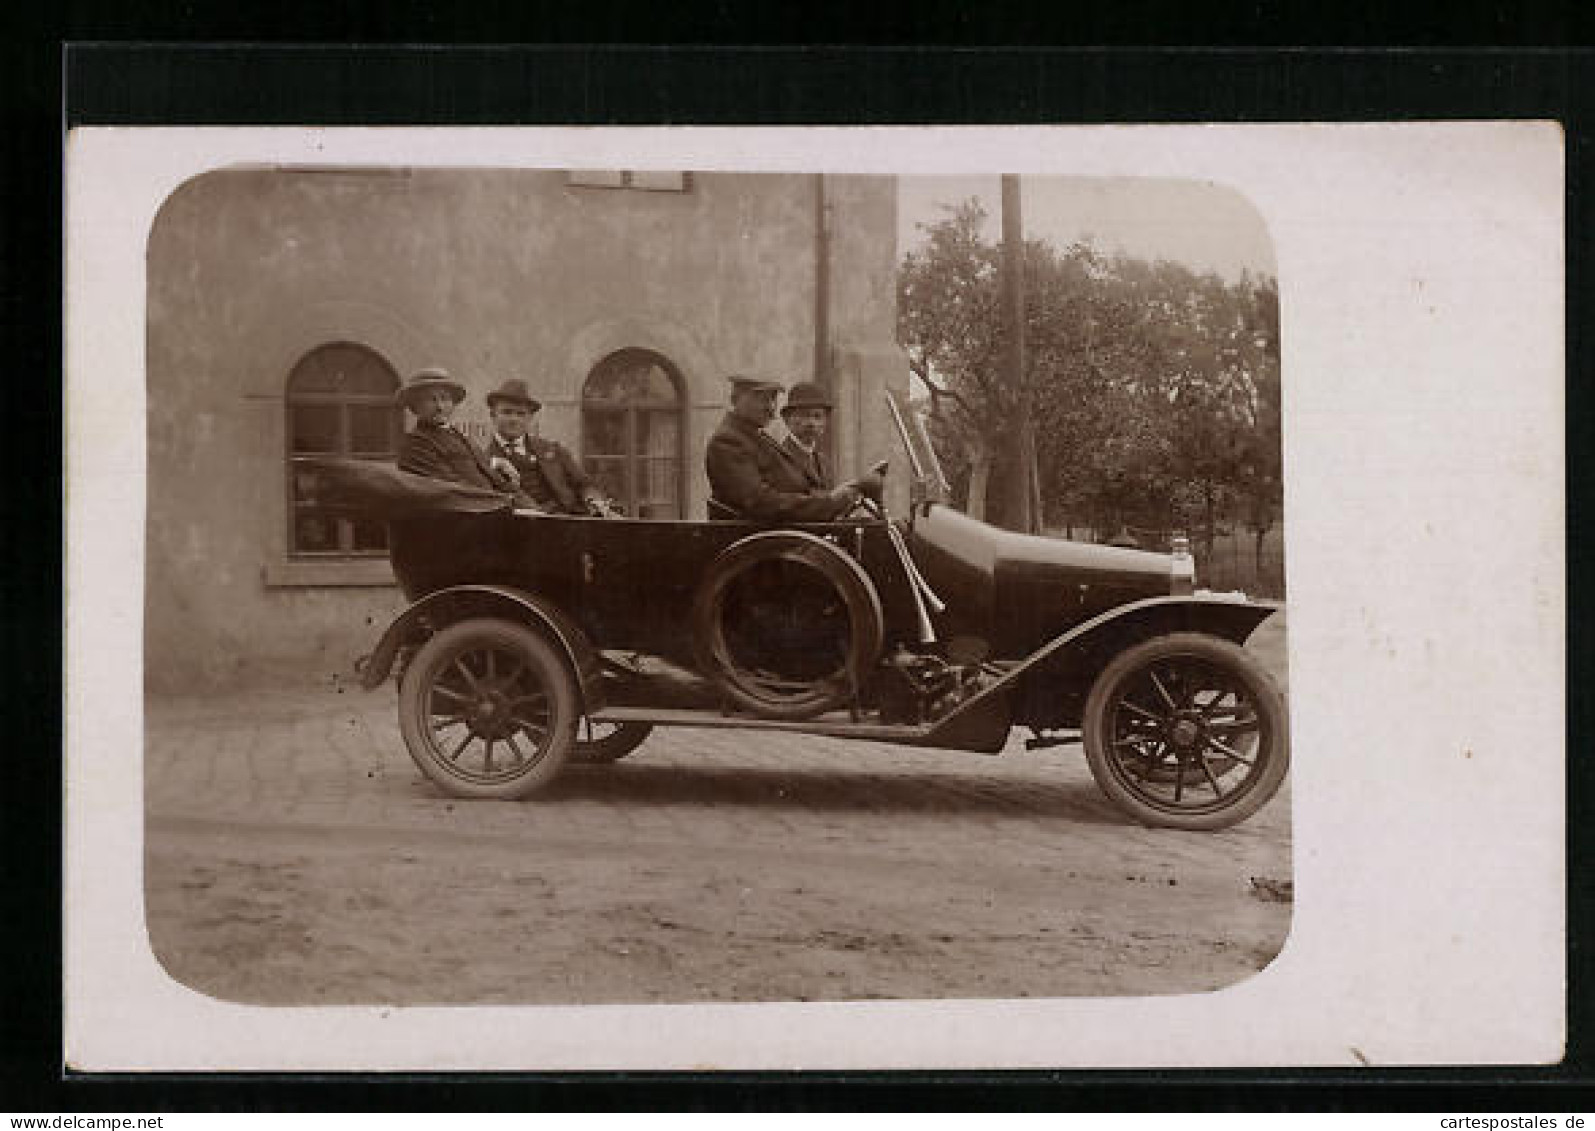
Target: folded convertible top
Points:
x,y
383,491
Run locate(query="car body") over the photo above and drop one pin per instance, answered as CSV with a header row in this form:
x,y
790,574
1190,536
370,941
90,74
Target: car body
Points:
x,y
532,640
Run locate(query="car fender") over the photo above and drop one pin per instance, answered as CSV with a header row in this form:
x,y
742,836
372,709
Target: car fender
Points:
x,y
1231,617
446,606
1078,654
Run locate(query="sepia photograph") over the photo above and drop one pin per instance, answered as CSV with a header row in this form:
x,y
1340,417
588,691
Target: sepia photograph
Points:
x,y
681,578
586,586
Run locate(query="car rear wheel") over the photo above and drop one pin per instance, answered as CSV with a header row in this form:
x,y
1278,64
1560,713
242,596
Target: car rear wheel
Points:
x,y
603,743
1186,731
488,709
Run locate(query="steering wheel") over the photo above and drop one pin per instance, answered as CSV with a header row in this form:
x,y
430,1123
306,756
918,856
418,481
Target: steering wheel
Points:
x,y
865,507
868,507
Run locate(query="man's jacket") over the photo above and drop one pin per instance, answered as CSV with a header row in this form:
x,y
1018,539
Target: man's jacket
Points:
x,y
550,475
812,464
750,473
444,452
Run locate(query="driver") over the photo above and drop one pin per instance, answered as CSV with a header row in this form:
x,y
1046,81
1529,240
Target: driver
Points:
x,y
752,477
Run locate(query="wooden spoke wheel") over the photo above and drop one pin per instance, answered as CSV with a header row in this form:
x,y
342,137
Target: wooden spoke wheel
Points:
x,y
1187,731
488,708
602,743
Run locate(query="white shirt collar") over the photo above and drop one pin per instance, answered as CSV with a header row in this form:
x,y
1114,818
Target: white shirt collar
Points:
x,y
809,448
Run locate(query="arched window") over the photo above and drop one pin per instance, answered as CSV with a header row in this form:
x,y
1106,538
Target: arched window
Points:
x,y
340,403
633,418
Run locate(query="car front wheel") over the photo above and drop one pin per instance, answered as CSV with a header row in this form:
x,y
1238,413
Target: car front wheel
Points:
x,y
488,709
1186,731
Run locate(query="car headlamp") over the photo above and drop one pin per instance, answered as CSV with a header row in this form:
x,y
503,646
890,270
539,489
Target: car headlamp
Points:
x,y
1182,566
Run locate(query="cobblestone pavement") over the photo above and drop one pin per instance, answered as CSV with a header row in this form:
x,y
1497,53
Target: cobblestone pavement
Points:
x,y
288,831
336,759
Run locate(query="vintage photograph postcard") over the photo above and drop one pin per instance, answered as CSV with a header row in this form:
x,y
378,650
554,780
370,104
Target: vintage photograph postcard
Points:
x,y
769,598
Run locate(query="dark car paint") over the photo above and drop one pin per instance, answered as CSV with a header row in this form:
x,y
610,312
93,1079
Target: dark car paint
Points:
x,y
461,602
628,584
1051,611
1019,591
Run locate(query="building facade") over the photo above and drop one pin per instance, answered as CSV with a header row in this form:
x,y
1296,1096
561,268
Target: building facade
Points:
x,y
285,306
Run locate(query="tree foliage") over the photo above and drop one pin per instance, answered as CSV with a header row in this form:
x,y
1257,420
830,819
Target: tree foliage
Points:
x,y
1154,390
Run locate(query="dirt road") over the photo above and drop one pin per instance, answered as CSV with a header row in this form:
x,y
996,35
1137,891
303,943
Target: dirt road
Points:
x,y
295,855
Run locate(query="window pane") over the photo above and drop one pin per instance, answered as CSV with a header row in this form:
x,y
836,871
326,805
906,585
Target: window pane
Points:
x,y
371,429
368,536
342,370
658,434
315,429
303,486
603,433
630,376
608,473
658,480
315,532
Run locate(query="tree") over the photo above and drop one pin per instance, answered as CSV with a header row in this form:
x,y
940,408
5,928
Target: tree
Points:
x,y
950,325
1153,391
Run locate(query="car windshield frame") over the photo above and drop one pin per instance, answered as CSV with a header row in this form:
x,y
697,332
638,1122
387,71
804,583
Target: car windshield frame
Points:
x,y
922,459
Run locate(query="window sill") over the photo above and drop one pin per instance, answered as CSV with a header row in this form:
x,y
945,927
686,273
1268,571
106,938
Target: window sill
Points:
x,y
358,571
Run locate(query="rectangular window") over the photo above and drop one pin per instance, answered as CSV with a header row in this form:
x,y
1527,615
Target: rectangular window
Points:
x,y
648,180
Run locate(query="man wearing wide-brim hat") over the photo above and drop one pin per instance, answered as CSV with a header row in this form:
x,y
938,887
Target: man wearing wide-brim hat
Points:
x,y
544,470
807,414
750,476
435,447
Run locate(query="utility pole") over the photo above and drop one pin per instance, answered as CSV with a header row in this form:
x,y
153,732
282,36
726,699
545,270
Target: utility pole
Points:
x,y
1021,495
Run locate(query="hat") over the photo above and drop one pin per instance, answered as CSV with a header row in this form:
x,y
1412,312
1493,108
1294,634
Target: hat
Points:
x,y
514,390
806,394
758,384
431,377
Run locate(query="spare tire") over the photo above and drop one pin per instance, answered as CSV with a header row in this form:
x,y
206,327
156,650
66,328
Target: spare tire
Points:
x,y
786,624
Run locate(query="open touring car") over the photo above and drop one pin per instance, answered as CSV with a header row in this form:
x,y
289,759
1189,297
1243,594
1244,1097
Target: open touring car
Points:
x,y
535,640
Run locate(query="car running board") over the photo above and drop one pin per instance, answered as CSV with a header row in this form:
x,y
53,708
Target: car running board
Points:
x,y
836,724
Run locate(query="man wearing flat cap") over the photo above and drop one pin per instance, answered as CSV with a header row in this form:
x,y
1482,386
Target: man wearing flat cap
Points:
x,y
750,476
435,447
543,469
807,414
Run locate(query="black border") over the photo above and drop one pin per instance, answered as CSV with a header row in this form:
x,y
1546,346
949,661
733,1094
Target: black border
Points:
x,y
109,83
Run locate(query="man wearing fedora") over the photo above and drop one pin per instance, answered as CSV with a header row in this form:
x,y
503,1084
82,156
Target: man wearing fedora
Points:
x,y
543,470
751,476
807,414
438,449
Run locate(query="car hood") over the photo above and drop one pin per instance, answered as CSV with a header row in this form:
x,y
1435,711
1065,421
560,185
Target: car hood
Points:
x,y
1017,591
981,546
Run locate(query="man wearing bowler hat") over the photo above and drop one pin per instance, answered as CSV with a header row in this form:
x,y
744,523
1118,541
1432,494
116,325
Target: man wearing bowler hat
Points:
x,y
435,447
807,414
543,469
750,476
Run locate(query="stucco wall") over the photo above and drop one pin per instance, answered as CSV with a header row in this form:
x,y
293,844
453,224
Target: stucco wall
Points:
x,y
489,273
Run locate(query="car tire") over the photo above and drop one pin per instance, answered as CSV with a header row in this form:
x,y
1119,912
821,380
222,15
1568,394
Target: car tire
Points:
x,y
487,687
1171,759
847,618
612,747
